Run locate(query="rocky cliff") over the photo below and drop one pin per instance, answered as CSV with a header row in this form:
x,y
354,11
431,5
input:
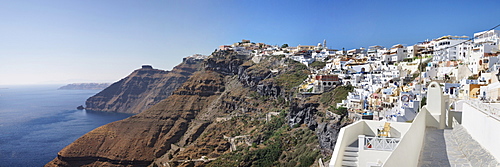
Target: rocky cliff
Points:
x,y
233,112
142,89
307,112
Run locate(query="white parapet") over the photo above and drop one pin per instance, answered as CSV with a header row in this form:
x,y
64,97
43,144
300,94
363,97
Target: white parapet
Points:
x,y
482,121
371,149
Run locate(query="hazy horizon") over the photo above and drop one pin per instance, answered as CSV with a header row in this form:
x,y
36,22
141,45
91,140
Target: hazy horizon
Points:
x,y
47,42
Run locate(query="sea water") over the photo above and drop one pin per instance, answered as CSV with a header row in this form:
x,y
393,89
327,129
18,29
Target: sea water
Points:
x,y
36,122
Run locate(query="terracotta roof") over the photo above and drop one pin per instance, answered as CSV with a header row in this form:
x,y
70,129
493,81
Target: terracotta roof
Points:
x,y
489,54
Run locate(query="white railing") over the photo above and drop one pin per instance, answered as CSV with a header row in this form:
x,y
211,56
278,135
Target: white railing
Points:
x,y
485,108
380,143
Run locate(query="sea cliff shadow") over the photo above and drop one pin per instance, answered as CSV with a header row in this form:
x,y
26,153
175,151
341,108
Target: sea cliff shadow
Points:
x,y
106,115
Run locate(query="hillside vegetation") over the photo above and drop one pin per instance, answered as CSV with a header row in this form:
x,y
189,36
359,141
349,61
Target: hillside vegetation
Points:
x,y
233,112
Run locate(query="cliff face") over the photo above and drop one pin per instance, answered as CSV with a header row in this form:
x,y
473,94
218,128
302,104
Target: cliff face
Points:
x,y
306,113
231,113
139,139
142,89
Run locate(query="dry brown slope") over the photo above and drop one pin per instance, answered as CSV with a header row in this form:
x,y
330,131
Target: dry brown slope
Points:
x,y
140,139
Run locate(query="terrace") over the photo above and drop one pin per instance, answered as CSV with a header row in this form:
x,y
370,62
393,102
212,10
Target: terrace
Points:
x,y
363,144
436,137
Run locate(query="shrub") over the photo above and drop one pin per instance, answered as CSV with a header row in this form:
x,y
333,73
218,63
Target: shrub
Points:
x,y
317,65
336,96
423,102
308,159
293,79
339,111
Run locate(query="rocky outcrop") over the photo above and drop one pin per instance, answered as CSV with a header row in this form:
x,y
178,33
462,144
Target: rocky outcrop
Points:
x,y
142,89
229,63
327,135
303,113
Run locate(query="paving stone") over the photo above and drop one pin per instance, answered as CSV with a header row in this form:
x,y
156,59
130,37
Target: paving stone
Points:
x,y
475,153
442,148
455,148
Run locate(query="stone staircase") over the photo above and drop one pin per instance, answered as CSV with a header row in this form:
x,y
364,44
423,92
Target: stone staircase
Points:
x,y
351,155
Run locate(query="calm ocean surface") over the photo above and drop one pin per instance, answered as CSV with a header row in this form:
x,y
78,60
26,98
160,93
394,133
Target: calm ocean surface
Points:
x,y
38,121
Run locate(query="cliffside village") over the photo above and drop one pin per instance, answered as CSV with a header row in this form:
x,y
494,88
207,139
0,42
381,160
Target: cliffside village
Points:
x,y
390,83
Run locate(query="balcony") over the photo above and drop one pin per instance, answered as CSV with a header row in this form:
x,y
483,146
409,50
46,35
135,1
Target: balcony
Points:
x,y
378,143
360,144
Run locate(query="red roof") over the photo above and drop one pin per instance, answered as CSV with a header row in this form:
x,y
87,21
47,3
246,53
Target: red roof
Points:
x,y
327,77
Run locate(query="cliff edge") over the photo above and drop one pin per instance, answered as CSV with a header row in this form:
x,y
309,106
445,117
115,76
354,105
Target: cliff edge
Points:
x,y
232,112
143,88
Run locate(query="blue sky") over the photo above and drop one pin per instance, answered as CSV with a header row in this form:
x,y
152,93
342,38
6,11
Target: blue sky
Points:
x,y
48,42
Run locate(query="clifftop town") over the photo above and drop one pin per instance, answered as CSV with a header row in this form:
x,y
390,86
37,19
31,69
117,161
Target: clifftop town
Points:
x,y
253,104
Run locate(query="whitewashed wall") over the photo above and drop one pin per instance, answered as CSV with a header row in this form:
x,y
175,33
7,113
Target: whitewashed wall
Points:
x,y
483,128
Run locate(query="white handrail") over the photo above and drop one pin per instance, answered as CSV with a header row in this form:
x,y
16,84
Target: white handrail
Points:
x,y
484,108
380,143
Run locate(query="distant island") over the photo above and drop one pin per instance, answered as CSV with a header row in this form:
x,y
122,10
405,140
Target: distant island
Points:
x,y
85,86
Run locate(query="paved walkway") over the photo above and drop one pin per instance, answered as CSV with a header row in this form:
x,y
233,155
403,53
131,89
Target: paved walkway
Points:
x,y
474,152
436,149
453,148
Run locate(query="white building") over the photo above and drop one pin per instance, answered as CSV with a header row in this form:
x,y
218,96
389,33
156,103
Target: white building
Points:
x,y
485,44
361,52
322,55
487,36
303,59
397,53
426,48
375,52
411,51
447,48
